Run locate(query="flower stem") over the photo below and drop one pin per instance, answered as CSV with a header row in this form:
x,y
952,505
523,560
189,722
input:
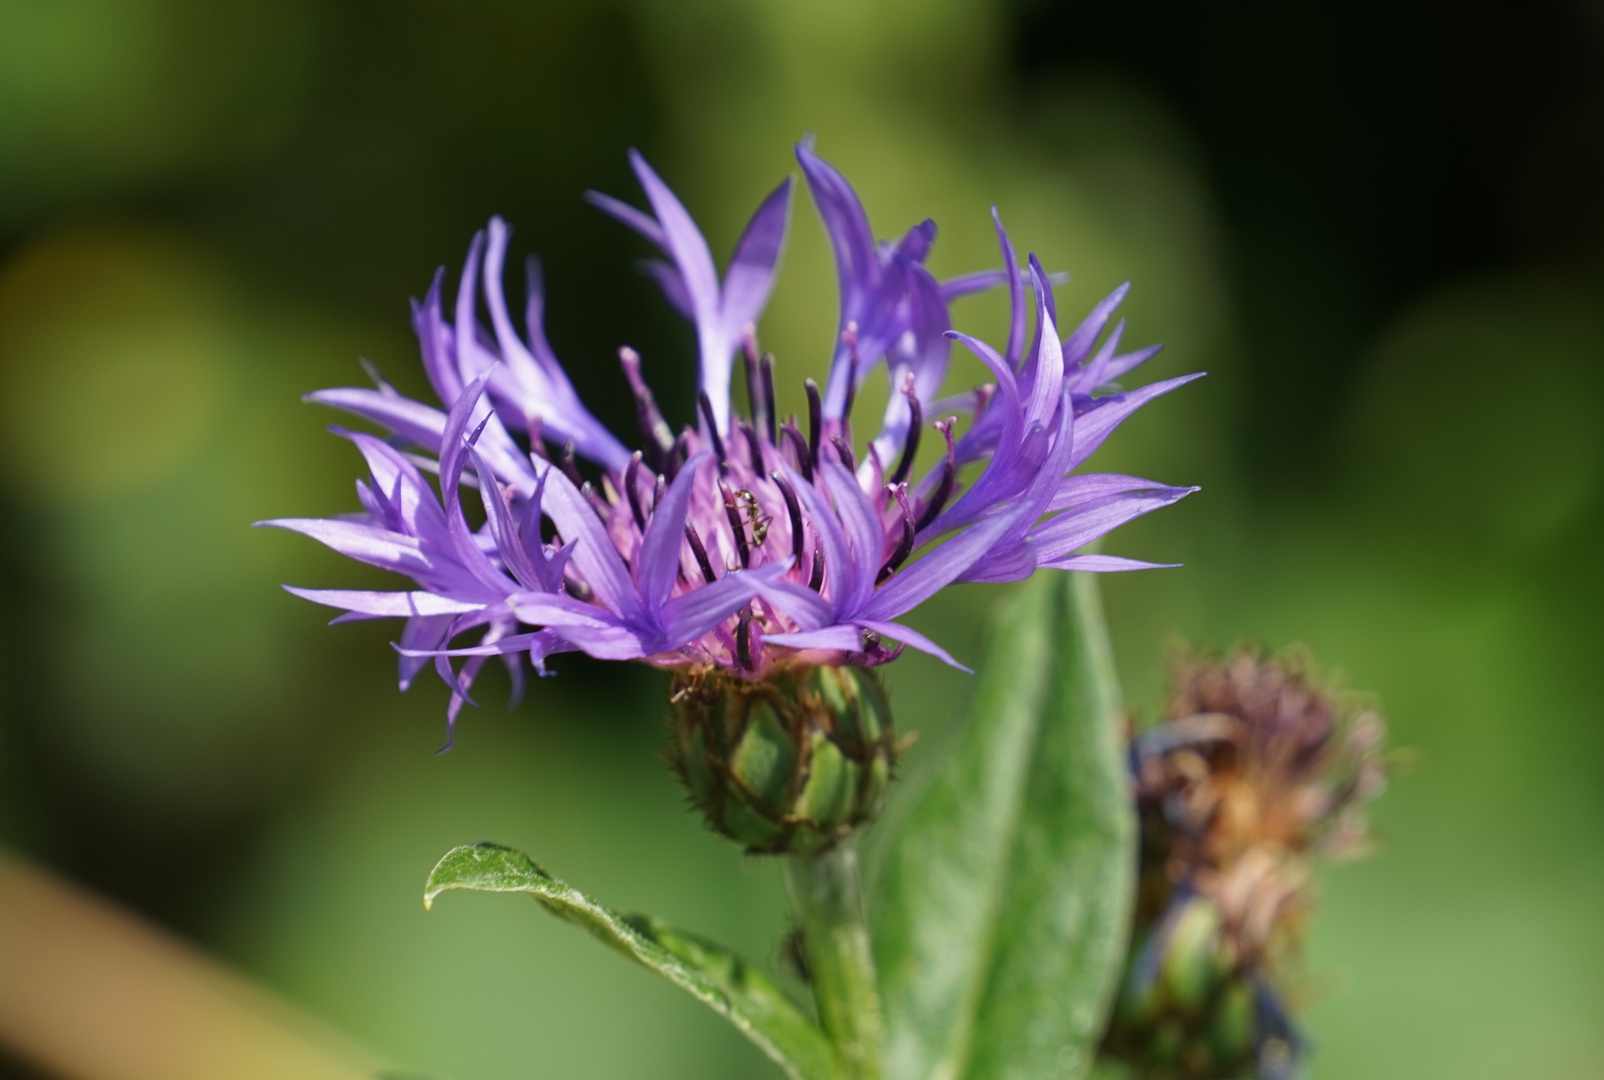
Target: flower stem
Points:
x,y
828,902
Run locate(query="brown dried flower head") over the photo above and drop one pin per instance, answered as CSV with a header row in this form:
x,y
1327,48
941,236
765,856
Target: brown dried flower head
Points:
x,y
1261,767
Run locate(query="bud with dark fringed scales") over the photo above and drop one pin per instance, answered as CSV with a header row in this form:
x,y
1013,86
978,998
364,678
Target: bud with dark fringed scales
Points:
x,y
794,763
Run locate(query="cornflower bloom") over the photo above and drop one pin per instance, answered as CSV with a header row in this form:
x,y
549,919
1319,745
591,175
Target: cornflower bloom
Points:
x,y
744,547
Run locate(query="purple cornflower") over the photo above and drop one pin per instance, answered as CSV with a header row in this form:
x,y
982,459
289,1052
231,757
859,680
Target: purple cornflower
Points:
x,y
743,543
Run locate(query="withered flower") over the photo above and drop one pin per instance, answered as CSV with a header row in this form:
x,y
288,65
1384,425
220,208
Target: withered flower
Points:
x,y
1261,768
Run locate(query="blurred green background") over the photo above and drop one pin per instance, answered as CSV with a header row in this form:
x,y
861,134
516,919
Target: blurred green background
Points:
x,y
1380,227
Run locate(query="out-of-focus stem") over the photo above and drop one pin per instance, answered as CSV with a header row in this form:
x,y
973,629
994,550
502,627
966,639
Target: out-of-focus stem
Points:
x,y
828,902
90,992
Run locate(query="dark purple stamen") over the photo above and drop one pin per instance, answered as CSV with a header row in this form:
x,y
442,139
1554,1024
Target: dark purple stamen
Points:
x,y
772,418
905,543
743,638
701,554
816,578
657,491
732,511
794,509
850,337
983,395
678,456
815,421
705,403
758,407
537,445
949,476
754,449
570,468
844,448
658,436
799,446
915,423
597,503
631,476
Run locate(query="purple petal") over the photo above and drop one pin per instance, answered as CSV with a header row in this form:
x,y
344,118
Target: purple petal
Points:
x,y
1013,561
1098,423
1079,344
1047,365
682,240
1093,373
595,558
929,323
498,515
1104,564
657,562
857,263
802,604
747,282
547,643
420,633
688,249
936,569
916,242
969,284
1076,528
1016,295
1083,488
607,642
558,609
898,632
364,543
1042,282
750,275
436,342
424,425
843,638
535,382
621,211
863,531
995,480
472,358
512,644
535,316
402,488
690,615
668,278
1043,482
453,453
385,604
1131,360
414,421
831,539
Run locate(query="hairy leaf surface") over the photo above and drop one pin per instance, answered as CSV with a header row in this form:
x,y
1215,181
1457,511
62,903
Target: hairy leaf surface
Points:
x,y
713,975
1007,889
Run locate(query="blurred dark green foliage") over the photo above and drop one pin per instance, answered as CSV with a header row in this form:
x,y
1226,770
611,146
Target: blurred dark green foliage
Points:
x,y
1377,226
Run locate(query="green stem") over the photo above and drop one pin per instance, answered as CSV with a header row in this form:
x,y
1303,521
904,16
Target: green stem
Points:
x,y
829,904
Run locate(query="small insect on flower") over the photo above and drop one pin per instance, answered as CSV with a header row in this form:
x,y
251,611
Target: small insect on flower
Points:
x,y
745,548
1261,768
756,519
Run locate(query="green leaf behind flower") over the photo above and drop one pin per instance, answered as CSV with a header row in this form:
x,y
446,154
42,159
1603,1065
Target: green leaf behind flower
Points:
x,y
1007,889
713,975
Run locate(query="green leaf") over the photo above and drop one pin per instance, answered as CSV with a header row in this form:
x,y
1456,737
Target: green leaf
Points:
x,y
718,978
1007,889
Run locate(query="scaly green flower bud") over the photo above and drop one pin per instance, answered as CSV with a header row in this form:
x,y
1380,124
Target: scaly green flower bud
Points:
x,y
790,764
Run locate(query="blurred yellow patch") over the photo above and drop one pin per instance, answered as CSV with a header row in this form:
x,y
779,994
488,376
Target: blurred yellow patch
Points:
x,y
115,348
